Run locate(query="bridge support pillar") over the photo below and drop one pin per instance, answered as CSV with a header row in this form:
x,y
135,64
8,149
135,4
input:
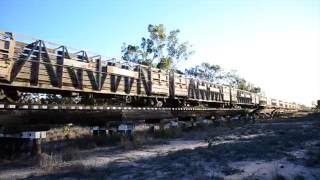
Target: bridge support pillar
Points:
x,y
36,147
99,131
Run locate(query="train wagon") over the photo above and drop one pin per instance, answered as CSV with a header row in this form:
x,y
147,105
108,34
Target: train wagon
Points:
x,y
244,97
263,101
40,66
191,90
205,91
36,66
255,99
230,95
179,85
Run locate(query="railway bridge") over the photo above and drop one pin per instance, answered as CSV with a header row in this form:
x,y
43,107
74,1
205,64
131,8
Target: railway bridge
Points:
x,y
132,92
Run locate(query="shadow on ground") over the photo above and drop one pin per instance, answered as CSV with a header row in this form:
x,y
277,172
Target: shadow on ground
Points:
x,y
267,141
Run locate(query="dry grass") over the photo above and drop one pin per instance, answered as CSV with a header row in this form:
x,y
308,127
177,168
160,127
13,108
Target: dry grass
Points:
x,y
70,154
168,133
141,138
57,134
228,144
54,163
275,141
50,162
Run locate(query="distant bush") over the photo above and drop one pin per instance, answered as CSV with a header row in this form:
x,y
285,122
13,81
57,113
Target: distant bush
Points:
x,y
168,133
109,140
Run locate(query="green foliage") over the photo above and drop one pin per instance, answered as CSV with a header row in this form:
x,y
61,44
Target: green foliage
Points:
x,y
165,63
163,50
215,73
205,71
160,50
244,85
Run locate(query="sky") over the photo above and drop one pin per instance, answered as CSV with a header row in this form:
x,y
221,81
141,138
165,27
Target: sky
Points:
x,y
274,44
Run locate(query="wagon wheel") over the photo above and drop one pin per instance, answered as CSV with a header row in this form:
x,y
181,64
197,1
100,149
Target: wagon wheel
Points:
x,y
151,102
76,99
128,99
158,103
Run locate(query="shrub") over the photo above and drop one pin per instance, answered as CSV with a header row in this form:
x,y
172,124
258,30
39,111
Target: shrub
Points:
x,y
168,133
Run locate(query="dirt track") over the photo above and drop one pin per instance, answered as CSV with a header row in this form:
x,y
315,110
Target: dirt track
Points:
x,y
288,149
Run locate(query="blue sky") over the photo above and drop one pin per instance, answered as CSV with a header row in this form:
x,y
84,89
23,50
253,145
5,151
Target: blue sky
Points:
x,y
272,43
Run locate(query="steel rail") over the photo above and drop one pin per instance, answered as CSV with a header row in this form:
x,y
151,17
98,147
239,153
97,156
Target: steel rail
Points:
x,y
16,106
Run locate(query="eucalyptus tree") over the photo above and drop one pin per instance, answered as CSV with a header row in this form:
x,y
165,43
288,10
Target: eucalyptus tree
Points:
x,y
216,74
160,49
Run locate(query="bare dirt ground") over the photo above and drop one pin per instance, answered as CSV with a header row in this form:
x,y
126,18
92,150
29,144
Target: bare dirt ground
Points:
x,y
274,149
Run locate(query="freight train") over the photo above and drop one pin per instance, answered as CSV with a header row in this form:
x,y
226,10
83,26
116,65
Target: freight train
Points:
x,y
37,66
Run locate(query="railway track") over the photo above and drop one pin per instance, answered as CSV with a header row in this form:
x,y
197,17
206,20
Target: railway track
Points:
x,y
31,121
33,114
13,106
